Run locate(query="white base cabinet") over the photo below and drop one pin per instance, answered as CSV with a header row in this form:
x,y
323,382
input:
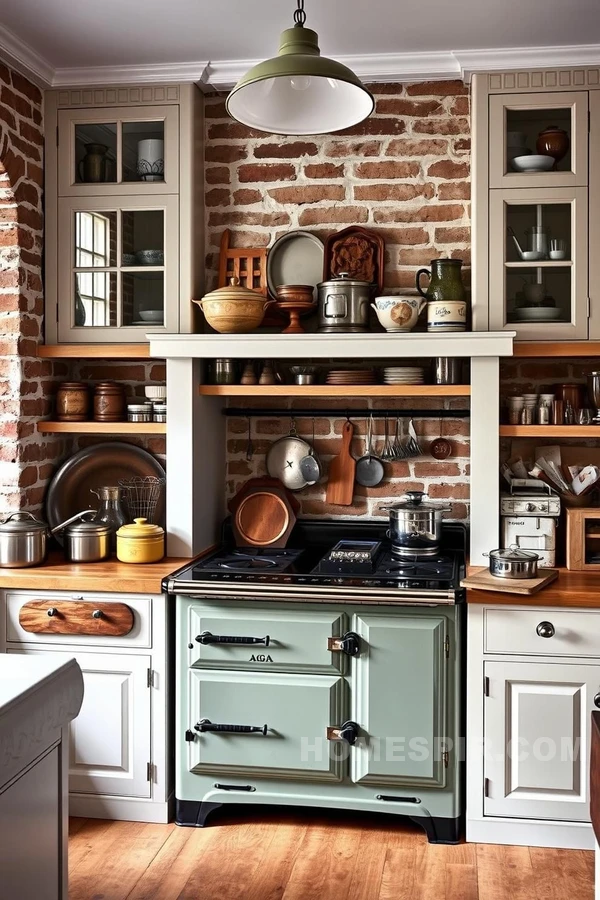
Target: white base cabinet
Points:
x,y
529,702
119,744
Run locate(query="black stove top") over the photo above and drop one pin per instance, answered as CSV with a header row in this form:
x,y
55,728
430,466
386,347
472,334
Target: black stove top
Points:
x,y
325,558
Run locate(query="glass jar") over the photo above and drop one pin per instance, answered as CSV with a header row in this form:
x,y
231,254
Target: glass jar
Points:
x,y
110,512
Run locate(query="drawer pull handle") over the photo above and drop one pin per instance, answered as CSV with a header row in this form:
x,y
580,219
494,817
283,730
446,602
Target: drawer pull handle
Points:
x,y
597,700
52,611
208,638
347,732
546,630
348,644
206,725
97,614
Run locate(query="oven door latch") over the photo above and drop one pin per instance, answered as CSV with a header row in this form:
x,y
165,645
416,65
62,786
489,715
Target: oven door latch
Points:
x,y
349,644
347,732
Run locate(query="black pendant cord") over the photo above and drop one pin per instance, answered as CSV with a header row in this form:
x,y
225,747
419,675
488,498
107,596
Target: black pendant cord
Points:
x,y
261,412
299,15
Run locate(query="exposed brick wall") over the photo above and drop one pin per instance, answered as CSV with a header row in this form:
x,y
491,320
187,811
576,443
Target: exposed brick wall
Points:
x,y
26,382
405,172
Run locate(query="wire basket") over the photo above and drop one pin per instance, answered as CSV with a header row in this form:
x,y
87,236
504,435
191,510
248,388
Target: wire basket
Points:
x,y
141,495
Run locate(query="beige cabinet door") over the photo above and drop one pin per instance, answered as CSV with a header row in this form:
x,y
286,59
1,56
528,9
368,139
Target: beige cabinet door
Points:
x,y
516,121
594,233
536,747
118,151
118,267
545,298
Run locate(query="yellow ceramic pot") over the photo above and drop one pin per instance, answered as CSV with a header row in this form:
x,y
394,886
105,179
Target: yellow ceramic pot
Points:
x,y
140,542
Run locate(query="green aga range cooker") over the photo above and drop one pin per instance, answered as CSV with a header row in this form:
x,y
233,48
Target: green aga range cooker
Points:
x,y
328,676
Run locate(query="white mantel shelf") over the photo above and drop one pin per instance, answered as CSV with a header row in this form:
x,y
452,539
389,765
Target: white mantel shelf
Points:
x,y
331,346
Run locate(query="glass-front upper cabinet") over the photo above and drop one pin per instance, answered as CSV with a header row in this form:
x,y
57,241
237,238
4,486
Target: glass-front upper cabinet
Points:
x,y
118,151
538,263
118,268
538,140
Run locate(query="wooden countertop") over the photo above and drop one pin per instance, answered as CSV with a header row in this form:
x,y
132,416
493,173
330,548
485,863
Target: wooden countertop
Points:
x,y
112,576
571,589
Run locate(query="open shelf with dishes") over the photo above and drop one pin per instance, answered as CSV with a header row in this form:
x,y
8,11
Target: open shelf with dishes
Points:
x,y
324,390
550,431
109,428
94,351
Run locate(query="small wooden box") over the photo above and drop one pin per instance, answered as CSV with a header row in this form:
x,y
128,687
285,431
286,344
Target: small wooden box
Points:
x,y
582,537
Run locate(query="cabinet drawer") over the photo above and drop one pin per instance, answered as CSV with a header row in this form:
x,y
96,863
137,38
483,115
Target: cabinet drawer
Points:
x,y
291,715
27,619
570,632
234,636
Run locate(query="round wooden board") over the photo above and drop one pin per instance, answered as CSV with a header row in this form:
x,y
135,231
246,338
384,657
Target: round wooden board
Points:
x,y
262,518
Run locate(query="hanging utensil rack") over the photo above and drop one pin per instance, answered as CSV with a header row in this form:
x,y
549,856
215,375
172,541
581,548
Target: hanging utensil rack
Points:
x,y
340,413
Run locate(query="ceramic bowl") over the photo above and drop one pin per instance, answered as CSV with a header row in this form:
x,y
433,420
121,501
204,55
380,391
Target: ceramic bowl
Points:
x,y
534,163
129,259
152,315
398,313
537,314
296,293
234,316
150,258
155,391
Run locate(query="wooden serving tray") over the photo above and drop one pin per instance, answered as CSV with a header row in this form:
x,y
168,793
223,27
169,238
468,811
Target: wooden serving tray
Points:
x,y
484,581
357,251
76,617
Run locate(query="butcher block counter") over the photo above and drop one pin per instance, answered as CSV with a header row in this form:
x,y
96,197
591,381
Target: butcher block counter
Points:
x,y
112,576
571,589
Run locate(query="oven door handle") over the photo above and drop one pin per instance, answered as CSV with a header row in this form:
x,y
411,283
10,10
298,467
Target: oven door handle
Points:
x,y
348,644
208,638
206,725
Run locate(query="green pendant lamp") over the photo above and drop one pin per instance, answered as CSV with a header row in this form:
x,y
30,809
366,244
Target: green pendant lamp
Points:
x,y
299,91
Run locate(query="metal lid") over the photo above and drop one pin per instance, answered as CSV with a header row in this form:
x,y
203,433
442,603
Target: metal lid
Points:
x,y
234,291
140,528
84,528
139,407
344,278
414,501
29,525
514,553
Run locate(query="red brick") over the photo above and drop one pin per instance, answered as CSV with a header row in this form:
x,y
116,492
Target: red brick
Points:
x,y
437,89
30,132
388,169
249,239
441,126
31,151
348,149
15,102
259,172
215,109
393,191
224,153
285,151
28,193
411,257
461,235
265,220
415,147
217,175
4,74
302,194
324,170
226,130
430,213
460,106
435,469
245,196
445,168
400,106
24,86
376,126
333,215
404,235
217,197
463,145
8,118
448,491
8,214
13,164
460,190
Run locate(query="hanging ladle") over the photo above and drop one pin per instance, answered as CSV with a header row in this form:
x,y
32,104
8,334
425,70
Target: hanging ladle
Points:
x,y
441,448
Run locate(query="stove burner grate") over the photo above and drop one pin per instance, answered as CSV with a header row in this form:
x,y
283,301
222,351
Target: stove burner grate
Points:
x,y
244,561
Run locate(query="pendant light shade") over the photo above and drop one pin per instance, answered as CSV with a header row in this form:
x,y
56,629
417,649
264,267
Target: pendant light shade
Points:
x,y
299,91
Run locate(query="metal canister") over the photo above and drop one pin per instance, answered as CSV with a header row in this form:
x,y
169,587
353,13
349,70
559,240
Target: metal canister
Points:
x,y
344,304
159,412
224,371
139,412
447,370
543,414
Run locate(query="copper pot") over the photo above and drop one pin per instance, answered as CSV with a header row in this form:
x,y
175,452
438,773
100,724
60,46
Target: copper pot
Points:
x,y
553,141
72,402
109,402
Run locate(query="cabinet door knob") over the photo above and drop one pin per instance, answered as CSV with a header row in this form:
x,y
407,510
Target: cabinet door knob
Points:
x,y
97,614
52,611
597,700
546,630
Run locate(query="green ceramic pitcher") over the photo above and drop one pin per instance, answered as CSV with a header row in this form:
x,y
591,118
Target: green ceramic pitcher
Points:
x,y
445,282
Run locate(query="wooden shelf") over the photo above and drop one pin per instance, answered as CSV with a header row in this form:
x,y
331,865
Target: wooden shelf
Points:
x,y
46,427
539,264
94,351
550,431
326,390
556,348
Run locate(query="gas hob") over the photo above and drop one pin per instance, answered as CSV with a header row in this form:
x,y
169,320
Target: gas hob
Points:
x,y
325,561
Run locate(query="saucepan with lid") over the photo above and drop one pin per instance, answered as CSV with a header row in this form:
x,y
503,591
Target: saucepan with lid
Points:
x,y
23,539
513,562
415,525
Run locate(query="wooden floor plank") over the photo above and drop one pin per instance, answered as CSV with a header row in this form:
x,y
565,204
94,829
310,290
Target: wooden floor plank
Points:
x,y
398,878
324,864
75,825
461,881
165,877
561,874
367,872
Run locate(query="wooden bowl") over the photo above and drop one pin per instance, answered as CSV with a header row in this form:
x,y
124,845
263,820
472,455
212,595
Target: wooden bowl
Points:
x,y
295,293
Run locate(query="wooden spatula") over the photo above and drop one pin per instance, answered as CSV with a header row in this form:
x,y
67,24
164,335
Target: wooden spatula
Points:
x,y
340,486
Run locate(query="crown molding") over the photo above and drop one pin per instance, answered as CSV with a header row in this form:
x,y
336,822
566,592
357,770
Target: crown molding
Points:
x,y
20,56
471,61
87,76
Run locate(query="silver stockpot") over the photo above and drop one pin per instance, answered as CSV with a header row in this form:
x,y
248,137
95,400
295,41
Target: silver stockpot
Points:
x,y
513,562
87,542
344,304
415,525
22,541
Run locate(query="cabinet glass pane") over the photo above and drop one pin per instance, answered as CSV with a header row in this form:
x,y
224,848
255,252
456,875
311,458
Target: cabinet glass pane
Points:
x,y
95,239
95,153
538,232
538,132
143,237
143,151
540,295
591,541
95,299
142,298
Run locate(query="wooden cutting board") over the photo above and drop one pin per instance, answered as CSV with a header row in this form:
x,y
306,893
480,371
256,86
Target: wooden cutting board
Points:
x,y
484,581
340,486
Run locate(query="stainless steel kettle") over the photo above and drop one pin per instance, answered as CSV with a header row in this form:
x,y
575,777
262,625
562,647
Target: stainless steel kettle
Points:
x,y
344,304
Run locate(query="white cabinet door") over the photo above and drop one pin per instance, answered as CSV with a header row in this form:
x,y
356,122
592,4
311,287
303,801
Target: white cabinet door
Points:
x,y
110,739
536,751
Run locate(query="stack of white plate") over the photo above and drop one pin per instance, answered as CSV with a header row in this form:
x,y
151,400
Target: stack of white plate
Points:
x,y
403,375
